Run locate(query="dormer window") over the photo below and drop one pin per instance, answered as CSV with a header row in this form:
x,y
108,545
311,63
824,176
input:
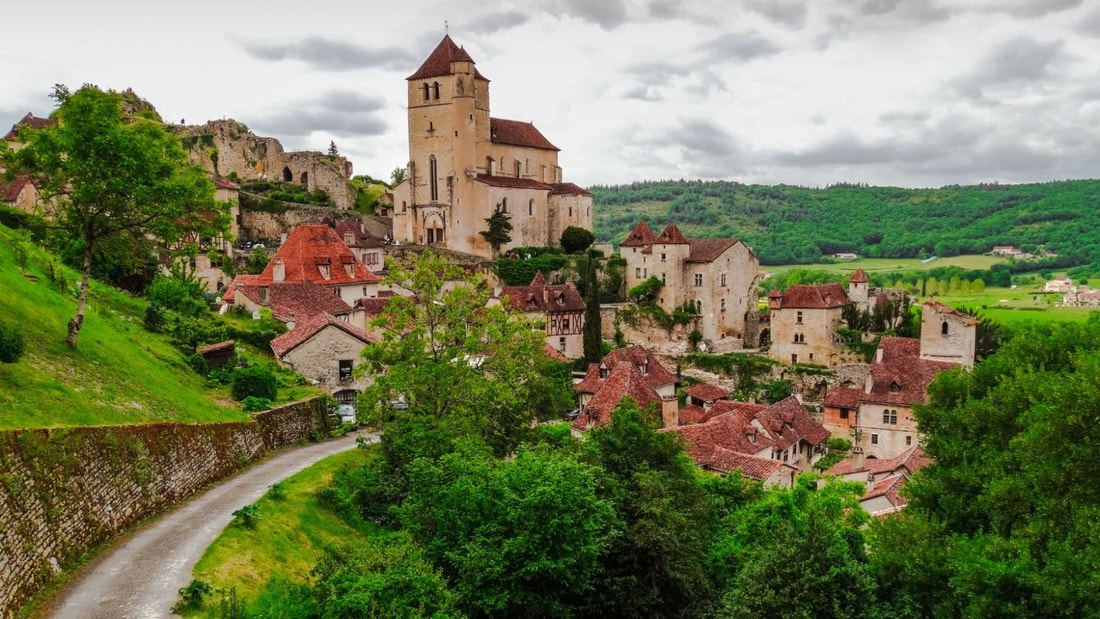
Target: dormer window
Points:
x,y
349,268
604,372
895,387
348,238
643,367
323,268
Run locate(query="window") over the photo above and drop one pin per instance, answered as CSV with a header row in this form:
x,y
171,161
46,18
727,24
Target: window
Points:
x,y
890,416
811,356
663,278
895,387
345,370
794,359
517,168
372,257
425,91
504,204
943,328
433,180
723,279
664,257
723,305
348,239
323,268
431,128
799,338
531,207
908,441
435,90
843,413
561,344
637,271
798,317
570,211
874,439
698,279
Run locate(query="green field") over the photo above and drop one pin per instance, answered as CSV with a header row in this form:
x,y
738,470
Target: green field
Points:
x,y
890,265
119,374
287,540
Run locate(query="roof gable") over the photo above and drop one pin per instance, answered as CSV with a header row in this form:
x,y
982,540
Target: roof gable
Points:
x,y
639,236
439,61
671,235
311,251
708,250
306,329
517,133
819,296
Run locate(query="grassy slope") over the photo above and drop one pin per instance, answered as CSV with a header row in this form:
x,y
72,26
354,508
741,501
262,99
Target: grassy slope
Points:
x,y
288,539
890,265
119,373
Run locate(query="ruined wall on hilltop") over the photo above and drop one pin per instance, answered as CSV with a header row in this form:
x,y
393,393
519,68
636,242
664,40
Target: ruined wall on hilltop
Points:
x,y
66,491
225,146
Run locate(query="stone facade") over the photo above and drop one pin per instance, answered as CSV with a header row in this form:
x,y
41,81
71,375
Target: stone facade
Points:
x,y
66,491
463,165
947,334
716,277
804,323
225,146
326,351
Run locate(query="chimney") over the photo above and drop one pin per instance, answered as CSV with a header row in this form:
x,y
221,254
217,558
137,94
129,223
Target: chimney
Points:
x,y
282,238
857,458
278,270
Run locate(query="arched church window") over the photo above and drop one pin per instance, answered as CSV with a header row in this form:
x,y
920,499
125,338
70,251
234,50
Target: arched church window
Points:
x,y
432,174
435,90
425,91
943,328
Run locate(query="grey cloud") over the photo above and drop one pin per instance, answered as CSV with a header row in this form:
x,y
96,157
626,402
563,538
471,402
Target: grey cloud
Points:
x,y
743,46
495,22
1089,25
665,9
788,12
658,72
341,113
920,11
327,54
1030,8
1021,60
607,14
642,92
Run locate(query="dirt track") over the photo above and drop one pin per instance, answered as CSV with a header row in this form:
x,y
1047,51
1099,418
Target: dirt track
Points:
x,y
140,577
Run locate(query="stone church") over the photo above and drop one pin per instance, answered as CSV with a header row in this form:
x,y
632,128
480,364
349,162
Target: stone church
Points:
x,y
464,165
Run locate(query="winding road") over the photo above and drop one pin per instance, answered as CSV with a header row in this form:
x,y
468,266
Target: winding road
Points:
x,y
140,577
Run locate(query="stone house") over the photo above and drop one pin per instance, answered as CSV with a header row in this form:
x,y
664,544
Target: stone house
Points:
x,y
883,478
20,193
715,277
464,164
768,443
367,247
625,372
804,322
1060,283
29,121
947,334
289,302
315,254
325,349
559,306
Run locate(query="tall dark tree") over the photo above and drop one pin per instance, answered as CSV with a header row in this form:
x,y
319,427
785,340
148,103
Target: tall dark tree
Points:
x,y
499,231
593,350
110,179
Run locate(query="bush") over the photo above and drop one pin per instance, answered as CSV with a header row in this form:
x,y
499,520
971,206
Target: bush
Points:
x,y
247,516
12,343
255,381
575,239
191,596
252,404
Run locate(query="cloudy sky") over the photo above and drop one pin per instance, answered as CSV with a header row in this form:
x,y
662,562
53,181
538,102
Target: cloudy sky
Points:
x,y
916,93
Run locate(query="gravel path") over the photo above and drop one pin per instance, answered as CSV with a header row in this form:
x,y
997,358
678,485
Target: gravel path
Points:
x,y
140,577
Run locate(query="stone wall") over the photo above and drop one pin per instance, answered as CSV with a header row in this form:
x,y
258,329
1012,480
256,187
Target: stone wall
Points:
x,y
262,225
64,492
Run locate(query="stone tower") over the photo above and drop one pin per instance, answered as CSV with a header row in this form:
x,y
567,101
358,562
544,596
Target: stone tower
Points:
x,y
947,334
858,292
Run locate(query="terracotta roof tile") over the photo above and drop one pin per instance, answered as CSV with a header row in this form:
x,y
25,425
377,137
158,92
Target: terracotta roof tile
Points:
x,y
623,381
888,488
707,392
819,296
9,191
708,250
359,236
312,326
947,309
733,430
908,462
568,189
789,423
542,297
512,182
671,235
639,236
843,397
439,61
898,374
310,247
518,133
859,277
31,121
691,414
294,301
727,461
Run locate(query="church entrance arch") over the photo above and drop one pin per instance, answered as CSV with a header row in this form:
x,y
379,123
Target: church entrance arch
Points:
x,y
433,229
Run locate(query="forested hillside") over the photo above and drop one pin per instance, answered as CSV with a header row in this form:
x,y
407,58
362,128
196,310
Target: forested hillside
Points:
x,y
787,224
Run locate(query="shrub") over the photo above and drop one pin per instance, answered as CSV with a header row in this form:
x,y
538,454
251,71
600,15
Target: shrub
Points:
x,y
247,516
198,364
12,343
256,381
252,404
192,595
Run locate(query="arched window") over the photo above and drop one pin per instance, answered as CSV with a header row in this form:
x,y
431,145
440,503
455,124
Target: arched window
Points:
x,y
425,91
288,176
435,90
531,207
943,328
434,178
489,166
304,178
504,204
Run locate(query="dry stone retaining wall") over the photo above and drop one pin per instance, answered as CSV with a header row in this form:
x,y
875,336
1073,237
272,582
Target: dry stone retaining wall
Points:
x,y
63,492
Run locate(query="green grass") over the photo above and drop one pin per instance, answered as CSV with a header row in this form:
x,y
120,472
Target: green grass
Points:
x,y
287,541
119,374
889,265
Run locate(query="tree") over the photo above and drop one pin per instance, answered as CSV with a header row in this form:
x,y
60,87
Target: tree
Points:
x,y
397,176
575,239
109,178
593,349
453,359
500,228
332,149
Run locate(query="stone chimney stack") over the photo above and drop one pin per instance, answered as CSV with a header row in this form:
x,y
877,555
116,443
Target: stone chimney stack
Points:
x,y
278,270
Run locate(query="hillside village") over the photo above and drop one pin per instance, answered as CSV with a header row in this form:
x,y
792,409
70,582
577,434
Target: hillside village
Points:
x,y
328,279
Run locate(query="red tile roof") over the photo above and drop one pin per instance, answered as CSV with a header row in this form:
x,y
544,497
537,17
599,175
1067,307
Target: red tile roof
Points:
x,y
224,183
733,430
843,397
726,461
671,235
539,296
947,309
439,61
31,121
293,301
624,380
859,277
568,189
639,236
359,236
517,133
707,392
888,488
908,462
692,414
307,249
820,296
708,250
312,326
789,423
512,182
898,375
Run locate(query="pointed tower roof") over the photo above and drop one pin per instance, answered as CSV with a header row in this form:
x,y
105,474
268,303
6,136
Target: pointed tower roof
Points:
x,y
671,234
439,61
639,236
859,277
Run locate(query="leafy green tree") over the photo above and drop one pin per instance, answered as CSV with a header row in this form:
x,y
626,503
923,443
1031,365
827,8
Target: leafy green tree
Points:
x,y
110,178
575,239
397,176
257,261
499,231
452,358
646,291
12,342
593,348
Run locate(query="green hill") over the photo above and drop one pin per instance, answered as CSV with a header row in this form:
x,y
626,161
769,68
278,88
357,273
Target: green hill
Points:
x,y
119,374
786,224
